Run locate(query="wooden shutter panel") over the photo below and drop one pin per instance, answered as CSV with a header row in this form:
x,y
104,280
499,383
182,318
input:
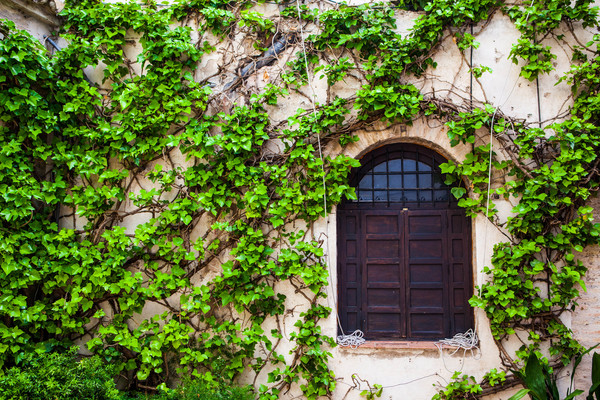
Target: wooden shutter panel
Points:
x,y
383,276
349,274
459,262
427,274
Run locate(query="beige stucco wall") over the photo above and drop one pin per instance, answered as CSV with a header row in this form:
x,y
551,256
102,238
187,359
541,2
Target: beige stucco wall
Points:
x,y
410,373
586,319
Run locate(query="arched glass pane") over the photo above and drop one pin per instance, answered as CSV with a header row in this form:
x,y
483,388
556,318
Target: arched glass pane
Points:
x,y
403,174
366,182
410,181
380,181
425,181
410,165
380,168
395,181
395,165
424,167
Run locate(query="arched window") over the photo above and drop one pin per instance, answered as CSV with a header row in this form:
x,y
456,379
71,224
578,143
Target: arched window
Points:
x,y
404,249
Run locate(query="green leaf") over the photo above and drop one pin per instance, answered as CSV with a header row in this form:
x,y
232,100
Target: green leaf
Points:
x,y
458,191
534,377
595,389
519,395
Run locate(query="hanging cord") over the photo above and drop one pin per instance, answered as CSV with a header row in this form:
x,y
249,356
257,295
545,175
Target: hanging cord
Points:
x,y
357,382
467,341
489,186
356,338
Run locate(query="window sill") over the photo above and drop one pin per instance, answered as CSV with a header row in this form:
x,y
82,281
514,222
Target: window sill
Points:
x,y
405,347
396,345
393,344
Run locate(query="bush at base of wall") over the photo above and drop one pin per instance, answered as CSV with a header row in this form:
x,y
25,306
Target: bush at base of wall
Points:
x,y
59,376
62,376
194,390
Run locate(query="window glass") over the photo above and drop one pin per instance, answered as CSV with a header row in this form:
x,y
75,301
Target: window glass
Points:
x,y
402,175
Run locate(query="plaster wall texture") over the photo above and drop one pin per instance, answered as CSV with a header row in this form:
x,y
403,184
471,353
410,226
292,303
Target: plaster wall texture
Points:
x,y
35,22
406,373
586,318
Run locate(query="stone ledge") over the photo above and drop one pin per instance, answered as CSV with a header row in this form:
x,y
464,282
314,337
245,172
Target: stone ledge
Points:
x,y
394,344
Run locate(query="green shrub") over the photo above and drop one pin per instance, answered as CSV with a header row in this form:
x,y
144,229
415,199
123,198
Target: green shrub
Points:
x,y
59,376
196,389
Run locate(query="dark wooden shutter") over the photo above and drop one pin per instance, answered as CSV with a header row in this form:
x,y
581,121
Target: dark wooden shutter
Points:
x,y
404,273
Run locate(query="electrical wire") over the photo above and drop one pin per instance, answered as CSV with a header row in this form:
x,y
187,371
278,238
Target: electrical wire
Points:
x,y
356,338
467,341
356,386
281,3
487,205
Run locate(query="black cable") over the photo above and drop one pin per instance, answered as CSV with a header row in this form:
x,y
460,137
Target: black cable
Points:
x,y
57,48
537,86
471,86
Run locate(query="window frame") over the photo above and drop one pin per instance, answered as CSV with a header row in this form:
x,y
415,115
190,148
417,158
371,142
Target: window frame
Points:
x,y
404,211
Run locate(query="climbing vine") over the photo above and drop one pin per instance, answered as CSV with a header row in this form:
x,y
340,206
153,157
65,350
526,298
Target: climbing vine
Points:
x,y
173,189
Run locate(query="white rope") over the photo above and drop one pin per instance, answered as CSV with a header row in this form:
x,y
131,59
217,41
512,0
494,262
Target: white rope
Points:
x,y
489,183
467,341
356,338
352,340
487,205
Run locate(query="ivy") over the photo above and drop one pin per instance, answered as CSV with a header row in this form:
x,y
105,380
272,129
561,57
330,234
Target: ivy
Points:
x,y
550,222
539,20
153,191
461,387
